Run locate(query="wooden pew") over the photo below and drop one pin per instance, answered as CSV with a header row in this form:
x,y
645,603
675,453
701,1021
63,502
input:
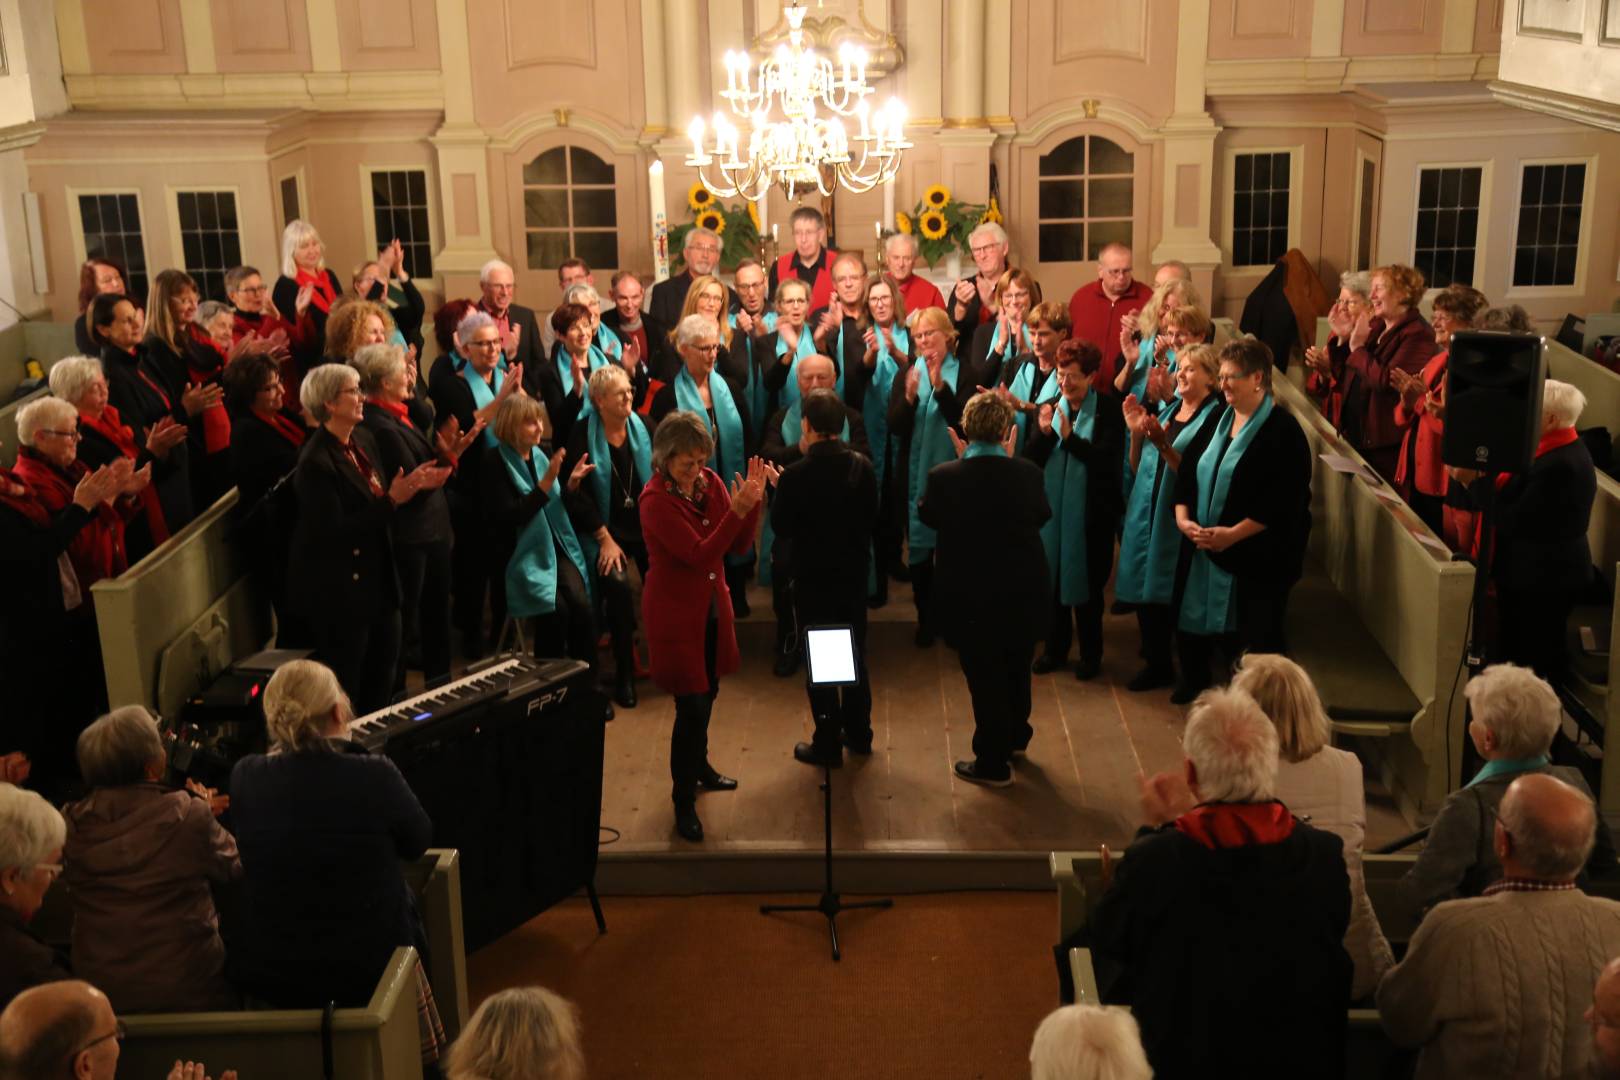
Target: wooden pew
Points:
x,y
1600,385
436,879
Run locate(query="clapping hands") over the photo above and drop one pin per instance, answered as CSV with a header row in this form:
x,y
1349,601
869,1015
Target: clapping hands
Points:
x,y
747,491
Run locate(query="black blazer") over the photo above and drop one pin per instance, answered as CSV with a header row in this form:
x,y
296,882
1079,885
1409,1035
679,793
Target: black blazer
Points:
x,y
562,408
453,397
31,612
426,518
322,835
1541,522
285,296
988,370
1272,485
781,453
856,375
825,507
989,507
140,406
668,297
1102,456
664,403
531,350
342,564
661,361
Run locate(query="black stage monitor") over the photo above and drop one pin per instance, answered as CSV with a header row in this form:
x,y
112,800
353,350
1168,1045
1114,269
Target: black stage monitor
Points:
x,y
829,653
1493,400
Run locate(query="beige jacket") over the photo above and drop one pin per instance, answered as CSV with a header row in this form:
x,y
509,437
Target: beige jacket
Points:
x,y
1326,790
1495,986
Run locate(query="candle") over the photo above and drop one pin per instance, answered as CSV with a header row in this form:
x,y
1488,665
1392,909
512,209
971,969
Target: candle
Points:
x,y
660,223
877,229
773,234
695,133
888,204
763,206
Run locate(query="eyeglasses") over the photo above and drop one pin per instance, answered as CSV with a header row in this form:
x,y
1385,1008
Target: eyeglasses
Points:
x,y
1228,377
119,1032
984,249
714,348
483,344
74,435
253,290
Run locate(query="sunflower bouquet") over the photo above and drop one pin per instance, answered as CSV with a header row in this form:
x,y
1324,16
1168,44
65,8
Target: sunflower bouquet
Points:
x,y
738,228
940,223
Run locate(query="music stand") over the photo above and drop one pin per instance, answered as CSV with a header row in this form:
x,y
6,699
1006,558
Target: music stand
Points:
x,y
829,653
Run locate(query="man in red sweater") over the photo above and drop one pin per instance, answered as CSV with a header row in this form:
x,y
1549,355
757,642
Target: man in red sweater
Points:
x,y
1096,310
900,255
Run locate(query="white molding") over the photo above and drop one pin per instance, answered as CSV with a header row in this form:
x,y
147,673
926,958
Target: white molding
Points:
x,y
1486,169
1296,190
1329,75
1588,111
368,209
523,128
1583,244
76,222
351,91
171,200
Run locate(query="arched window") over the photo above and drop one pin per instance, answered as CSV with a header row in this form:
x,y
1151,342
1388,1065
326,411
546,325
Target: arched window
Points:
x,y
1087,198
570,209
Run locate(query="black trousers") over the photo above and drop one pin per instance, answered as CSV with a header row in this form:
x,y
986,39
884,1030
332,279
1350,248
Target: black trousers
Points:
x,y
922,591
689,741
1154,623
1533,630
788,627
1086,620
424,585
570,628
364,656
1262,604
618,608
890,528
839,711
474,576
998,680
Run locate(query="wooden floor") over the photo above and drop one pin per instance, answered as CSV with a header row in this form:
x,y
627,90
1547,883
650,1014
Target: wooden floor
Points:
x,y
1077,787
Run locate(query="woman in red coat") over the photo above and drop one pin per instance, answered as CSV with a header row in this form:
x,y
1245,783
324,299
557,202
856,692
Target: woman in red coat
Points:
x,y
690,523
1390,335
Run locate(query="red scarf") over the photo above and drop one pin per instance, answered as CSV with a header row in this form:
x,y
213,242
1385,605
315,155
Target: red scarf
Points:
x,y
26,504
362,465
97,550
1230,825
1552,440
216,422
322,297
401,413
110,427
821,289
283,425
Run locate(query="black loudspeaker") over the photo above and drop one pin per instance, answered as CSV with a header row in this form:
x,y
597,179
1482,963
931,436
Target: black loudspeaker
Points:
x,y
1493,400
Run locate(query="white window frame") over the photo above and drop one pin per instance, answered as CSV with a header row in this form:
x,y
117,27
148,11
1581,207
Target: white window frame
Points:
x,y
1296,211
76,225
171,196
1481,277
368,209
1584,243
1362,159
297,177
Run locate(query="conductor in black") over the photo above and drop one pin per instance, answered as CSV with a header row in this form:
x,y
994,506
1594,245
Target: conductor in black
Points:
x,y
826,505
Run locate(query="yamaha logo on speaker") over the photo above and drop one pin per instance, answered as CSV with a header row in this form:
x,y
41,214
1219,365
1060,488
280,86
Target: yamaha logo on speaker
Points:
x,y
1482,454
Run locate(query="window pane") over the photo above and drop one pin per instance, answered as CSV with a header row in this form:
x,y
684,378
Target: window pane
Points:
x,y
595,207
1569,225
1109,157
547,249
1062,198
1530,188
416,187
233,250
597,248
545,208
1564,266
549,168
1426,225
1262,172
1464,271
289,199
213,254
1066,159
590,169
1467,228
1471,179
1108,198
1100,234
1240,247
1243,172
186,204
1429,187
191,250
419,223
1528,220
399,187
89,214
129,214
1574,183
227,210
1445,232
380,192
1450,187
1061,243
1260,210
207,211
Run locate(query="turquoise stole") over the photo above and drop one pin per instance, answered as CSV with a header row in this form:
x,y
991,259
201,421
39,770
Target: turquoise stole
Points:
x,y
930,445
531,574
1020,388
482,392
728,458
1136,383
1009,349
601,477
806,347
1151,543
754,386
875,409
1206,605
1064,534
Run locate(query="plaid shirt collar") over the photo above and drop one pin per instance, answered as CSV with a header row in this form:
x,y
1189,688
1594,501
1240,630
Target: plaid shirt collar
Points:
x,y
1527,885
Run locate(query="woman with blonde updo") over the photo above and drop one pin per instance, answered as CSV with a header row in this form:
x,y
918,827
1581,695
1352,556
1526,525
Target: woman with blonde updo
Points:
x,y
523,1033
322,826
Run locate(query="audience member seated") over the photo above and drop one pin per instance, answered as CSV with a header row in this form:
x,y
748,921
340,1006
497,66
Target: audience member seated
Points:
x,y
1390,335
343,577
1243,502
1491,986
1604,1016
68,1029
1514,718
31,838
1323,785
306,288
1097,310
1224,928
322,826
1088,1042
1509,319
521,1033
900,257
1335,386
140,860
1420,475
96,277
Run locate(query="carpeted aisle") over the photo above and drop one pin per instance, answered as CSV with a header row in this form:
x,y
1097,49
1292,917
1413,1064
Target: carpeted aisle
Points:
x,y
944,986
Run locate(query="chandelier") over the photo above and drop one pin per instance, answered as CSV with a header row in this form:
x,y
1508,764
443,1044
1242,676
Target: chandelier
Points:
x,y
801,147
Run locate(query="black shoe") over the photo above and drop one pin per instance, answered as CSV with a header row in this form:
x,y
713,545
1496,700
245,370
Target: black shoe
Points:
x,y
900,572
806,753
713,781
739,605
687,825
881,596
925,637
1087,668
787,662
1151,678
1121,607
1044,664
607,713
1184,694
970,771
624,694
862,747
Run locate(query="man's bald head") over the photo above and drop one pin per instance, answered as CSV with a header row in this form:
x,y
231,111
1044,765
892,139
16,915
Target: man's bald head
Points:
x,y
816,372
1545,829
47,1032
1604,1016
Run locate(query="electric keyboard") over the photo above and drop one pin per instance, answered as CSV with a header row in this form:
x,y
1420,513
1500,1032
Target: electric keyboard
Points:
x,y
513,678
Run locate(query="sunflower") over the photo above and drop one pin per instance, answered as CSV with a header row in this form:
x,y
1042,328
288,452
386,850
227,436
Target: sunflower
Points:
x,y
699,198
713,220
902,222
937,196
932,223
992,213
753,214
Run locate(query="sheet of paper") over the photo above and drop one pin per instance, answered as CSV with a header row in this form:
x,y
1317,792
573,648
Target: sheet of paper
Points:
x,y
1339,463
1430,541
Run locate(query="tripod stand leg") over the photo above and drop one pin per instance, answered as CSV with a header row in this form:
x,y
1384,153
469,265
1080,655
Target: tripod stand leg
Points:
x,y
596,907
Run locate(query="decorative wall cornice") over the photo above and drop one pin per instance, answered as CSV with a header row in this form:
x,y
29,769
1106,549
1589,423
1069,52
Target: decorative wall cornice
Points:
x,y
1588,111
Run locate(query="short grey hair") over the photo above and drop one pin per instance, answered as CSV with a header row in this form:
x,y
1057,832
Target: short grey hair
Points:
x,y
1233,746
30,828
1517,706
494,264
375,364
470,324
48,412
680,433
209,310
694,327
581,293
322,386
1088,1042
72,375
990,229
115,750
605,378
298,702
1549,853
698,232
1563,402
900,238
1357,281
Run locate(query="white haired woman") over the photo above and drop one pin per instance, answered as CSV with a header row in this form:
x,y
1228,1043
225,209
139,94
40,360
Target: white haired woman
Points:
x,y
307,288
1323,785
31,837
342,575
141,859
1515,716
521,1033
1336,388
1088,1042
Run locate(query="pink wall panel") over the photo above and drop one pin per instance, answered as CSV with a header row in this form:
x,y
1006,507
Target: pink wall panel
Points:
x,y
1392,27
136,37
1259,29
261,36
391,35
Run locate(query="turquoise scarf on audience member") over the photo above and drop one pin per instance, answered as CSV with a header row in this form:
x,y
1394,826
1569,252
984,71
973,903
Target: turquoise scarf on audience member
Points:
x,y
930,445
1064,534
754,386
531,575
483,393
601,477
1151,543
875,409
1507,767
1022,383
1206,605
806,347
